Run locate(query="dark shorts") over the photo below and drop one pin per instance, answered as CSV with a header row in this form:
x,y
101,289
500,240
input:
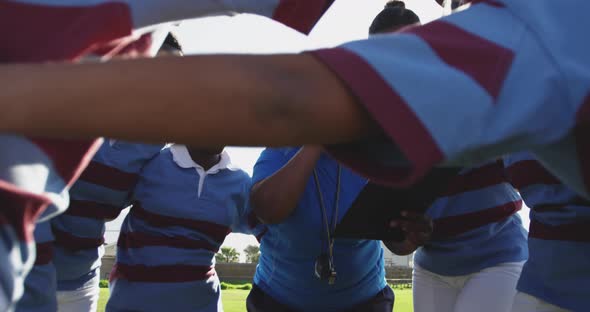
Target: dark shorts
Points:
x,y
259,301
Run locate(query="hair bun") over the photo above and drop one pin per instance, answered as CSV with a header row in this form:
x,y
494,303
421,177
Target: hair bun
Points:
x,y
395,4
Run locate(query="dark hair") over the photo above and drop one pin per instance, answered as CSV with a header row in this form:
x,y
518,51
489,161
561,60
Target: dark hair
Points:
x,y
393,15
171,44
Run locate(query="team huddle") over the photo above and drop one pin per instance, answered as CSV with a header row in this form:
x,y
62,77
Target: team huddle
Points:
x,y
499,88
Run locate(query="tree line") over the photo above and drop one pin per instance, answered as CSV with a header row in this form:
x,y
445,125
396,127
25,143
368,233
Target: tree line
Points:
x,y
231,255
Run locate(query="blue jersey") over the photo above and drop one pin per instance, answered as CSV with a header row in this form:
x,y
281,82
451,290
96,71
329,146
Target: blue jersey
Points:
x,y
558,269
180,216
100,194
41,284
289,250
500,76
476,225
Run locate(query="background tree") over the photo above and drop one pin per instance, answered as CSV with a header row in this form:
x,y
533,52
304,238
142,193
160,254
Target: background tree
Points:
x,y
228,255
252,253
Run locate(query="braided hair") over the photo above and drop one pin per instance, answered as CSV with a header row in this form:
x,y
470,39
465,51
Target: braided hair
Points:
x,y
394,15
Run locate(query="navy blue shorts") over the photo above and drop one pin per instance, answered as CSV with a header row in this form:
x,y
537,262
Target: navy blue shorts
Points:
x,y
259,301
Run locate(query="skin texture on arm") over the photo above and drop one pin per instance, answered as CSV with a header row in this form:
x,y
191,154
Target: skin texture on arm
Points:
x,y
216,100
274,198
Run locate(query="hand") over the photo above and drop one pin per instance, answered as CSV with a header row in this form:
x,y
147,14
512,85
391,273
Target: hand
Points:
x,y
416,228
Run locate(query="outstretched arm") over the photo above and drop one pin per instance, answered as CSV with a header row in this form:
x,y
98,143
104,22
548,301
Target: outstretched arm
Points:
x,y
206,100
296,100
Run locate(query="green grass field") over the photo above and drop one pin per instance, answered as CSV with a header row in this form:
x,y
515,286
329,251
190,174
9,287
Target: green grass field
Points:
x,y
102,299
234,300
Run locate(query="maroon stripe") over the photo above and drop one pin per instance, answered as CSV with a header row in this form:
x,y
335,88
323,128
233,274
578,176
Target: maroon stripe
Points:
x,y
391,113
529,172
484,61
140,240
44,253
301,15
583,114
455,225
161,274
351,157
478,178
59,32
69,157
109,177
92,210
582,135
75,243
576,201
217,232
20,210
575,232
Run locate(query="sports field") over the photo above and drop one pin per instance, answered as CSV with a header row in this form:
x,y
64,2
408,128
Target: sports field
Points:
x,y
234,300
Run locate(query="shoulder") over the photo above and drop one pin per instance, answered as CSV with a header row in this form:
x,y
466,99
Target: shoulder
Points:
x,y
163,160
239,173
270,153
138,150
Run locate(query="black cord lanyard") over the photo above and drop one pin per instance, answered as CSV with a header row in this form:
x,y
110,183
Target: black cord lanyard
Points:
x,y
330,228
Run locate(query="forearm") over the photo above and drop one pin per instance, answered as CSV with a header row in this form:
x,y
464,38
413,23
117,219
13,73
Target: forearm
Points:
x,y
274,198
400,248
198,100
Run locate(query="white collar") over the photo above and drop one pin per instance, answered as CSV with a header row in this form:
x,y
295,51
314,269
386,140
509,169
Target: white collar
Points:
x,y
183,159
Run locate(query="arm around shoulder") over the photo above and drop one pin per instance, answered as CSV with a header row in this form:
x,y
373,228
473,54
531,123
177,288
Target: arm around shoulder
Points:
x,y
274,198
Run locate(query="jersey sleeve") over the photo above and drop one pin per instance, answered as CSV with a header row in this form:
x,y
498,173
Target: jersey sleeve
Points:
x,y
40,30
105,186
40,284
246,222
300,15
446,93
269,162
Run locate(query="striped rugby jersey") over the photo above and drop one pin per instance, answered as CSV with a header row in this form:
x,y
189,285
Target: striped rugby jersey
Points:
x,y
41,283
35,173
558,268
103,190
180,217
476,225
500,76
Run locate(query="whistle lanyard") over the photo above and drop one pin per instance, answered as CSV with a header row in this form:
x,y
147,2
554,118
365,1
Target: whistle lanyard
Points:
x,y
330,228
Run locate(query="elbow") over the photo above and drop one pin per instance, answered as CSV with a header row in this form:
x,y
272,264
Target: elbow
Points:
x,y
266,207
302,96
